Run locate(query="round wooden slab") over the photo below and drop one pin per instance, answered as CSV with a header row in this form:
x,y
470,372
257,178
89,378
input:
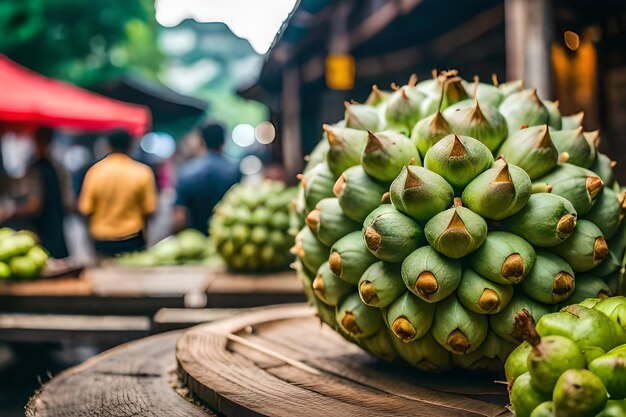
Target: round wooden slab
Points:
x,y
134,379
281,361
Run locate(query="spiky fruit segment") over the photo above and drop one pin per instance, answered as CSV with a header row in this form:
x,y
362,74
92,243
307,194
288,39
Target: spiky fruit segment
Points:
x,y
345,147
554,114
458,329
458,159
329,223
588,285
362,116
499,192
349,257
603,167
545,220
420,193
485,93
607,212
430,275
481,295
441,92
585,249
523,108
550,281
311,252
403,108
578,185
386,153
581,151
358,194
456,232
532,150
409,318
480,121
429,131
328,287
379,345
381,284
488,357
503,323
573,121
358,319
317,184
317,155
503,258
424,353
390,235
511,87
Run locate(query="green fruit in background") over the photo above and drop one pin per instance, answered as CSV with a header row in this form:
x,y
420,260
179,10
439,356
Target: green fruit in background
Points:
x,y
545,409
328,222
409,318
611,369
613,408
523,108
362,117
456,232
578,392
24,267
482,295
390,235
349,257
328,287
386,153
550,281
15,244
420,193
545,220
192,243
5,271
503,258
549,358
430,275
458,159
498,192
39,255
358,319
381,284
532,150
358,194
517,363
458,329
525,397
585,248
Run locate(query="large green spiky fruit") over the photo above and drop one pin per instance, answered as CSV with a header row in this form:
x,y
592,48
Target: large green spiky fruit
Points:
x,y
499,206
250,226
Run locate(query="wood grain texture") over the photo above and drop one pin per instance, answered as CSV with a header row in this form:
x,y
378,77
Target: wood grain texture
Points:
x,y
281,361
131,380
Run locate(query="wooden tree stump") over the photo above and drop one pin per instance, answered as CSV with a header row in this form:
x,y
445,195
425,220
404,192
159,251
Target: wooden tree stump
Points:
x,y
281,361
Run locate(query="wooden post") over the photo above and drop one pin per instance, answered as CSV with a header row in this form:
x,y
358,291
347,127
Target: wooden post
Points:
x,y
291,134
529,26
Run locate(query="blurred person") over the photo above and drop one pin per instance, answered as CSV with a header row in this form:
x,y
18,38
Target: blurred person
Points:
x,y
203,181
42,197
118,195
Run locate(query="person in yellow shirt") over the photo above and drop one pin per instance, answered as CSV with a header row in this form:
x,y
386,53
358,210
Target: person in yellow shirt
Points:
x,y
118,196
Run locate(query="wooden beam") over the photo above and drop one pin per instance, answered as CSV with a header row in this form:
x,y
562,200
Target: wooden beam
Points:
x,y
380,19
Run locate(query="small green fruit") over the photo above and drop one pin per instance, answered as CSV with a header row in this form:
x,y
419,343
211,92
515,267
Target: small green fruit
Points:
x,y
580,393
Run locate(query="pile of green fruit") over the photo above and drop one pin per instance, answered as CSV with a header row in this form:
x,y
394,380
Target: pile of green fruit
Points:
x,y
20,255
573,363
188,247
436,212
250,226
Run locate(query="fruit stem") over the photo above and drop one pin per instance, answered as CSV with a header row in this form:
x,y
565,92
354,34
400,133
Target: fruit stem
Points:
x,y
525,328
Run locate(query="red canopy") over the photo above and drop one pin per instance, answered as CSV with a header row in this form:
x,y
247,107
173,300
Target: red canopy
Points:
x,y
28,99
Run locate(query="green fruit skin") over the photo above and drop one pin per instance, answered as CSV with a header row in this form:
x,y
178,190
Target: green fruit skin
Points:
x,y
554,115
379,345
581,152
572,121
498,200
346,146
602,167
458,170
525,397
354,255
429,131
545,409
605,213
537,221
489,258
333,224
318,184
39,255
488,357
523,108
578,392
570,182
362,117
390,235
578,250
332,289
447,272
614,308
503,323
540,283
24,267
424,353
613,408
385,163
386,279
403,108
481,121
413,310
510,87
525,149
473,286
358,319
452,316
5,271
15,244
485,93
611,369
313,252
358,194
550,358
587,286
517,363
455,242
423,201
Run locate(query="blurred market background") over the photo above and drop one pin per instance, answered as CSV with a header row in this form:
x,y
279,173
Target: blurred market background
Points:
x,y
272,72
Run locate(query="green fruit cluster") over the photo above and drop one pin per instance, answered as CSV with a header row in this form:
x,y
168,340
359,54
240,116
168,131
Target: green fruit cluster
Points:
x,y
573,363
250,226
188,247
436,212
20,255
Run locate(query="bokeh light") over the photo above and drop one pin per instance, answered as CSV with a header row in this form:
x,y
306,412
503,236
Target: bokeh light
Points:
x,y
265,133
159,144
243,135
250,165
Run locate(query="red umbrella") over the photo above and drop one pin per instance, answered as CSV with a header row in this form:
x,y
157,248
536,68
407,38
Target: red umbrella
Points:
x,y
28,99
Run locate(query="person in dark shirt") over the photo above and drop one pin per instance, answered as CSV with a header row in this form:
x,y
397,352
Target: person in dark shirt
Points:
x,y
203,181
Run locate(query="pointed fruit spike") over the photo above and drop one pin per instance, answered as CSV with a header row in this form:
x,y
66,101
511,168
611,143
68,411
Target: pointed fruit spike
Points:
x,y
594,186
456,222
513,266
426,283
457,148
412,80
313,220
565,226
504,175
403,329
340,184
433,72
412,180
489,300
373,143
385,198
563,157
348,321
457,202
458,342
368,292
494,79
600,249
546,140
372,238
335,263
563,283
405,96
